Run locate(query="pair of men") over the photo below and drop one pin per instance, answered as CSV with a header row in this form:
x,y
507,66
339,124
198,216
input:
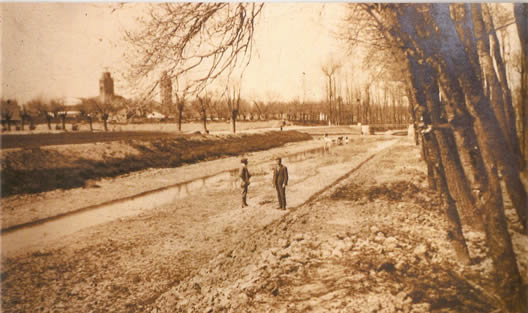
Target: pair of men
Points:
x,y
280,180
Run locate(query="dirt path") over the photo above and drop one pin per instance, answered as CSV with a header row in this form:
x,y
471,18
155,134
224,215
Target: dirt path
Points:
x,y
376,242
126,264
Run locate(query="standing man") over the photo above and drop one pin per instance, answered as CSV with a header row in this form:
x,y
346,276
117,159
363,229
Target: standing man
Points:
x,y
280,180
244,176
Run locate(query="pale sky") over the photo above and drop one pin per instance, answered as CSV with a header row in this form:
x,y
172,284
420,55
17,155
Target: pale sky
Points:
x,y
61,49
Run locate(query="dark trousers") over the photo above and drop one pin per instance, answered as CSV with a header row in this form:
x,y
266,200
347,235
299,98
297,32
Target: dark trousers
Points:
x,y
244,194
281,194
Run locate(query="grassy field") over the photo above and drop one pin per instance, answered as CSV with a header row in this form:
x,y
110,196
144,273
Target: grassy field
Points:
x,y
172,127
62,167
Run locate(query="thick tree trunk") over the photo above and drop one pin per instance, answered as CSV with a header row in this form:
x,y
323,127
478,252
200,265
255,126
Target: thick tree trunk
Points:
x,y
521,21
480,107
501,75
459,187
454,227
48,119
91,123
478,103
424,90
509,282
63,119
492,146
499,92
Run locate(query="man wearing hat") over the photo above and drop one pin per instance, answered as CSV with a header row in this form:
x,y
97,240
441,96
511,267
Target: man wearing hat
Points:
x,y
280,180
244,176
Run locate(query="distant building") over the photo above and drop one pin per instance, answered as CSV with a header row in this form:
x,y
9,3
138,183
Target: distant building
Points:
x,y
106,87
166,92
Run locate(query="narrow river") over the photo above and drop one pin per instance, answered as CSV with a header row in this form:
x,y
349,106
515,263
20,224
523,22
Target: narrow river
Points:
x,y
31,237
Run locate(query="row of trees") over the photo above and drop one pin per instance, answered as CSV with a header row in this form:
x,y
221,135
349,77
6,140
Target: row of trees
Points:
x,y
40,109
227,107
191,45
460,98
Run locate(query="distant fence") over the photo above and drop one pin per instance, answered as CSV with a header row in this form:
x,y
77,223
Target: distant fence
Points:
x,y
372,128
389,126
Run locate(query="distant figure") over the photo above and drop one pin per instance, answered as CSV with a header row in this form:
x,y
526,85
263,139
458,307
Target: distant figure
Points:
x,y
282,125
280,180
327,142
244,176
346,140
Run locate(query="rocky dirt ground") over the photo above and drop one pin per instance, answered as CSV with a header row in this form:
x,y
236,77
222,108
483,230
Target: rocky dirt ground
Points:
x,y
374,242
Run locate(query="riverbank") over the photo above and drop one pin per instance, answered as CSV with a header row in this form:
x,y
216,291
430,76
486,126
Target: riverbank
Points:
x,y
40,169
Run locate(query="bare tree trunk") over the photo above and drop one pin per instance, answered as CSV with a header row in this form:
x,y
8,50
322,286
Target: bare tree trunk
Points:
x,y
459,186
105,121
502,77
48,119
204,119
454,227
481,108
498,92
180,113
233,118
63,120
446,159
490,139
521,21
91,123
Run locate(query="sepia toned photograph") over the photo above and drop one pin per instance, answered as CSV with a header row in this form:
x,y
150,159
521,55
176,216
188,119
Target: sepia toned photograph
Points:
x,y
264,157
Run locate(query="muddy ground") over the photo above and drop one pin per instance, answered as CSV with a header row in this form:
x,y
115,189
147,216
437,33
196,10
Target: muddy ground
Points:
x,y
372,242
24,208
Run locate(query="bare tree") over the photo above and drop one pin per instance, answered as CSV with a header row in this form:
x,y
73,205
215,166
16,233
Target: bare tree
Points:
x,y
88,110
181,95
9,109
330,69
233,103
199,40
202,105
107,106
58,109
40,107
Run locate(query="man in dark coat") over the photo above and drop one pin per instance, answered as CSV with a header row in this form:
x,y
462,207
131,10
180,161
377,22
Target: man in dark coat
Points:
x,y
280,180
244,176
